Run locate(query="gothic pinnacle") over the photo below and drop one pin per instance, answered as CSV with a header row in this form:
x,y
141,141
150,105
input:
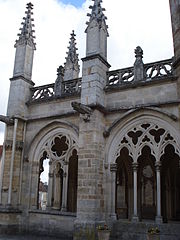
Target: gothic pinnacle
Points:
x,y
97,14
71,66
26,36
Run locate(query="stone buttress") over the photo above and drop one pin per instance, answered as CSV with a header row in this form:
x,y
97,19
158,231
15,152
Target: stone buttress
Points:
x,y
11,177
175,20
91,199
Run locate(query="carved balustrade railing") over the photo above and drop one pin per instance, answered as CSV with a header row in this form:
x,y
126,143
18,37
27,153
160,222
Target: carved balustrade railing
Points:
x,y
159,69
151,71
122,77
68,88
42,92
71,86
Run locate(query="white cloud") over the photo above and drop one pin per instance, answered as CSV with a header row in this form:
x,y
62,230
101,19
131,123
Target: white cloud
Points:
x,y
131,23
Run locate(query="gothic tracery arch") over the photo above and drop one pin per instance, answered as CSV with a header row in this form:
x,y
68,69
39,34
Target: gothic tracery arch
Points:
x,y
57,145
143,131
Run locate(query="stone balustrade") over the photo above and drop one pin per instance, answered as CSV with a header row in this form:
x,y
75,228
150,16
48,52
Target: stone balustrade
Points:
x,y
151,71
117,78
45,92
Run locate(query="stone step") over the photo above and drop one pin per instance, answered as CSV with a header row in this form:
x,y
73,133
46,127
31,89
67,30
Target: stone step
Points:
x,y
124,230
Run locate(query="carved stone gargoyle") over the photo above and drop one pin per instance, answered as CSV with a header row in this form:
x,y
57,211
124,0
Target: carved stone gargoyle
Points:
x,y
82,109
7,120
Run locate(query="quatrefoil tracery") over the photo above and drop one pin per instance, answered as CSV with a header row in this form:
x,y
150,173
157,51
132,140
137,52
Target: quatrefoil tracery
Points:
x,y
59,147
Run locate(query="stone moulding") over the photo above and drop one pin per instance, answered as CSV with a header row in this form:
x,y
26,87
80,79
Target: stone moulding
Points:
x,y
68,114
108,131
23,78
7,210
98,56
9,143
53,212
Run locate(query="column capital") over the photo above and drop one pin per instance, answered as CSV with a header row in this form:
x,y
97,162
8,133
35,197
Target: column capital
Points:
x,y
50,163
158,165
66,163
51,175
113,167
135,166
64,174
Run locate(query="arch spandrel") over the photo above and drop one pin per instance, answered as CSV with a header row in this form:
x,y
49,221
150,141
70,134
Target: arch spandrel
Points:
x,y
150,130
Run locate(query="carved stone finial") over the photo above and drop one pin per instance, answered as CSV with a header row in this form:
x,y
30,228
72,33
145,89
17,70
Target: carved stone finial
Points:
x,y
60,71
26,36
97,14
139,73
138,52
59,80
71,66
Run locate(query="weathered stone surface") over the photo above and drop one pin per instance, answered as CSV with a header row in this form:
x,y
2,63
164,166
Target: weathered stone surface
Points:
x,y
121,117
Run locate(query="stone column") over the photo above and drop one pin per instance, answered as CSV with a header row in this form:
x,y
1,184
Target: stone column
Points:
x,y
50,185
57,188
12,161
2,165
113,169
65,188
135,217
158,189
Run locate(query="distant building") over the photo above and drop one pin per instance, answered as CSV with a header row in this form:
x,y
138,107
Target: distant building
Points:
x,y
111,138
43,190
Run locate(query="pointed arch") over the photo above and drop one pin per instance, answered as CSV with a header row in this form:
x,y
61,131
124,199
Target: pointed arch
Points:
x,y
142,123
58,140
143,129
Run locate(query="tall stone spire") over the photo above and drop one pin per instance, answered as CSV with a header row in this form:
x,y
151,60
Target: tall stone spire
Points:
x,y
26,35
97,14
25,46
21,82
97,31
175,19
71,66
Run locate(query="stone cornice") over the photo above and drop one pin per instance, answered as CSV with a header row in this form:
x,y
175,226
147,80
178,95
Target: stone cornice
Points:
x,y
92,57
176,63
132,85
22,78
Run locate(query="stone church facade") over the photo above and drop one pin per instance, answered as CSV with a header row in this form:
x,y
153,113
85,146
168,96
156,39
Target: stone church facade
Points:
x,y
109,142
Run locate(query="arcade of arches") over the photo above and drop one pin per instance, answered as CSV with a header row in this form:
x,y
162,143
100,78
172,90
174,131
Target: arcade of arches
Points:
x,y
147,174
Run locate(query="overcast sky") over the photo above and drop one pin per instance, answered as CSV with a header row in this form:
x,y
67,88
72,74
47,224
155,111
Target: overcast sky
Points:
x,y
131,23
